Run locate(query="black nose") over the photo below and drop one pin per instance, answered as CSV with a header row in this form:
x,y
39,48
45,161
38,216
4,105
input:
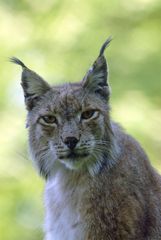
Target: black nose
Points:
x,y
71,142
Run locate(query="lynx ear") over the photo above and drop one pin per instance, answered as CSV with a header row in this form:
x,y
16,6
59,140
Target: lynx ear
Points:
x,y
33,85
96,79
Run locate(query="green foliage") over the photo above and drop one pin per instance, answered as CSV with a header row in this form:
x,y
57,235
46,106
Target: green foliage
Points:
x,y
60,40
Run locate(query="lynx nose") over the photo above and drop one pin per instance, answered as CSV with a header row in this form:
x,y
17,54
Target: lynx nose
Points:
x,y
71,142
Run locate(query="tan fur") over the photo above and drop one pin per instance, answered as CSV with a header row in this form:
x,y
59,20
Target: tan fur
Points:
x,y
101,188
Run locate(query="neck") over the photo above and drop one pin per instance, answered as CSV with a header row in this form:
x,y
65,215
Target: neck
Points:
x,y
109,152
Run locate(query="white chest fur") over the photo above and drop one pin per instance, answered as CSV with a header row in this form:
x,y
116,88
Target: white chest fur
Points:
x,y
63,202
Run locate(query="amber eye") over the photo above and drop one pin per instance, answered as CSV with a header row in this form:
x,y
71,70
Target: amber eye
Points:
x,y
48,119
87,114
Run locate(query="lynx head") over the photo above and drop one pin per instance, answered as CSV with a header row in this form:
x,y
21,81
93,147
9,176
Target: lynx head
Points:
x,y
69,125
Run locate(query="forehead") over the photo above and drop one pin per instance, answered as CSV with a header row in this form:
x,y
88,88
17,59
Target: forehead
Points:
x,y
68,100
65,99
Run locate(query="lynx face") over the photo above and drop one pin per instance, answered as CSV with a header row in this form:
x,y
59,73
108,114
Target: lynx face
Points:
x,y
69,125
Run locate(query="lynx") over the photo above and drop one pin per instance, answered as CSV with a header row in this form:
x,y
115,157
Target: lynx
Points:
x,y
100,184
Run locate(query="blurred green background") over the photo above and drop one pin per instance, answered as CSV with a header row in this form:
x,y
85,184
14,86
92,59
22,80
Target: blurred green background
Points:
x,y
60,39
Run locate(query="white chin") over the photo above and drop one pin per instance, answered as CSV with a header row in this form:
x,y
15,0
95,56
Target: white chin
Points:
x,y
74,164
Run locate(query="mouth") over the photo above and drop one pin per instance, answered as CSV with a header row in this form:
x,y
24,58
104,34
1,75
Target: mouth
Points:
x,y
74,159
74,156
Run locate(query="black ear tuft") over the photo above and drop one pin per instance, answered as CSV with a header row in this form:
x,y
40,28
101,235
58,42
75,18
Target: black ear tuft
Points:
x,y
105,45
17,61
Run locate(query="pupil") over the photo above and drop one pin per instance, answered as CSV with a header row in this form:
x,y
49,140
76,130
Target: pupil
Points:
x,y
88,114
49,119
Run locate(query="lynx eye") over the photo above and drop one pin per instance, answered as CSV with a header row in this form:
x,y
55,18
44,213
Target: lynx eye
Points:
x,y
88,114
48,119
